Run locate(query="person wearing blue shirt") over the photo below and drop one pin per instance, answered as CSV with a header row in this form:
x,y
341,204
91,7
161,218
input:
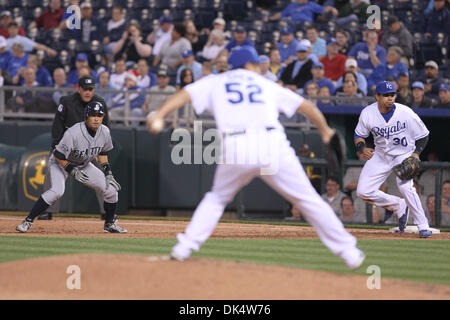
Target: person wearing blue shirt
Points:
x,y
318,45
392,68
303,11
287,46
368,54
361,81
240,39
189,62
17,60
43,76
317,74
438,20
5,55
81,61
136,99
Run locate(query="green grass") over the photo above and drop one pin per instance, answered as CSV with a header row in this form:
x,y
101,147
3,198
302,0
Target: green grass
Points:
x,y
416,260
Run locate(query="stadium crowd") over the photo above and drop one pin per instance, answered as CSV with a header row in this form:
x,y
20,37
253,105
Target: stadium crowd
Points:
x,y
321,49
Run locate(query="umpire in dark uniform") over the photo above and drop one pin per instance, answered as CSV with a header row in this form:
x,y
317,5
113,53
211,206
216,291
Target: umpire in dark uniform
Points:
x,y
70,111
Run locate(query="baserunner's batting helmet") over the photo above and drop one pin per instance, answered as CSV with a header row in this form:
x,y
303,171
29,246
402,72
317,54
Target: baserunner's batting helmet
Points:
x,y
94,107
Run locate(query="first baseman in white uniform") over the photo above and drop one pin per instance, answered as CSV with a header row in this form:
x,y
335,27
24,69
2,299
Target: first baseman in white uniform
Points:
x,y
398,133
82,143
246,108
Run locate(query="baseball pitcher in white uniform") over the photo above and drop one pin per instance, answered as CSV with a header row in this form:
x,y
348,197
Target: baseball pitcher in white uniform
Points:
x,y
82,143
398,134
246,108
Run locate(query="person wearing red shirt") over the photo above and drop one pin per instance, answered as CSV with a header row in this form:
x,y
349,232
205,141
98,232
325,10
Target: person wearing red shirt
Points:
x,y
50,18
5,20
334,62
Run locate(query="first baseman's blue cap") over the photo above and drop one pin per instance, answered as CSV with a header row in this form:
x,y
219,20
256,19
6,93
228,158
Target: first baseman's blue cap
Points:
x,y
242,55
94,107
385,87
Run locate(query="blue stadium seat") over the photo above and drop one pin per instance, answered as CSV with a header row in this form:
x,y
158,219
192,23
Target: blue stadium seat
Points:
x,y
204,19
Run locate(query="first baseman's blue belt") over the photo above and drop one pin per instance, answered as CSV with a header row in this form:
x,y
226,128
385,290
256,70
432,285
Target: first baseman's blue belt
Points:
x,y
236,133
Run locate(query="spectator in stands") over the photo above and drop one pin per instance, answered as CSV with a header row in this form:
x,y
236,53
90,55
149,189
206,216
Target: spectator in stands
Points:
x,y
311,89
288,45
275,61
171,50
81,61
146,78
50,18
221,64
312,56
207,68
325,92
60,81
130,47
313,173
158,96
349,11
136,99
28,44
160,35
349,214
445,207
317,72
334,62
24,95
349,90
444,97
368,54
239,39
216,43
428,178
333,196
17,60
43,77
404,91
318,45
5,20
432,80
352,65
104,83
303,11
396,34
438,20
391,68
298,72
430,211
115,28
418,98
189,62
342,41
91,27
192,35
264,62
5,55
186,77
117,79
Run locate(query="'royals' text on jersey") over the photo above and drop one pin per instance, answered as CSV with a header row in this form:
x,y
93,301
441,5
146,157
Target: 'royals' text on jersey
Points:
x,y
80,148
395,135
241,99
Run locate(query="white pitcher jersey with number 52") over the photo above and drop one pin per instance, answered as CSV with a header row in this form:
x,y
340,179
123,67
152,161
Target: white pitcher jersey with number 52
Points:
x,y
394,133
242,100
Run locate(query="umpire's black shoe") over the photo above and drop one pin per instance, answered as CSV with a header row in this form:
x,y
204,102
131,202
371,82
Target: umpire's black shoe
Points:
x,y
45,216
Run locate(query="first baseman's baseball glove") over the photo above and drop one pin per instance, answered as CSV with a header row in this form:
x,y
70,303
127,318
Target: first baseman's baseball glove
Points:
x,y
335,155
408,169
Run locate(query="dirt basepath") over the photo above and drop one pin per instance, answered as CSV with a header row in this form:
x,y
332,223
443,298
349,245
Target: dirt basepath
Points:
x,y
155,277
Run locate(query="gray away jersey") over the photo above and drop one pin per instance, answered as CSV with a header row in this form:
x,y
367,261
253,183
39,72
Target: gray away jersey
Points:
x,y
80,148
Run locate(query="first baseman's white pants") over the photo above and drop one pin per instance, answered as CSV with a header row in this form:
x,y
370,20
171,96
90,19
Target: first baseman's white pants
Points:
x,y
374,173
286,176
58,178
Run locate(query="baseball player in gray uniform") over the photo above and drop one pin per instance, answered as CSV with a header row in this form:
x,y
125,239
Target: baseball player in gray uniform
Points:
x,y
82,143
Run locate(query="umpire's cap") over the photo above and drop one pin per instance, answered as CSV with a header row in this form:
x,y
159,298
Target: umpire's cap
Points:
x,y
94,107
385,87
86,82
242,55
